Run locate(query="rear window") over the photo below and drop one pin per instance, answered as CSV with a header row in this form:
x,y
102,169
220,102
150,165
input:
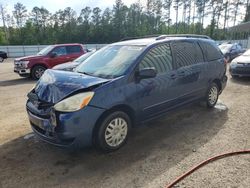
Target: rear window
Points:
x,y
211,51
73,49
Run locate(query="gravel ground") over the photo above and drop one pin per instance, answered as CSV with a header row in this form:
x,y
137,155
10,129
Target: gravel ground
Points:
x,y
155,154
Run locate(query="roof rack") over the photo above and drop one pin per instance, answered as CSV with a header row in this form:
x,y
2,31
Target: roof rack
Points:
x,y
161,37
140,37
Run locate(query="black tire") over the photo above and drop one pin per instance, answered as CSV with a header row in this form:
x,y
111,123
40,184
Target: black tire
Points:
x,y
1,59
37,71
212,95
100,140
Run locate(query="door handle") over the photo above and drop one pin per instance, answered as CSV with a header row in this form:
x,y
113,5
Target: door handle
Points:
x,y
181,73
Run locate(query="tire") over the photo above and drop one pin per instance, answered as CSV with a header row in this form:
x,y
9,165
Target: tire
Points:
x,y
1,59
212,95
37,71
113,132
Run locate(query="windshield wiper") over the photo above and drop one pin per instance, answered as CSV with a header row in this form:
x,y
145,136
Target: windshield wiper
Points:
x,y
86,73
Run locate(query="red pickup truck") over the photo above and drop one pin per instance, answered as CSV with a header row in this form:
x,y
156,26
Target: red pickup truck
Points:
x,y
34,66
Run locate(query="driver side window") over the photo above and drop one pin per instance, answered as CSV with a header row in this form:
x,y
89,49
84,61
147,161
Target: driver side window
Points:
x,y
158,57
59,51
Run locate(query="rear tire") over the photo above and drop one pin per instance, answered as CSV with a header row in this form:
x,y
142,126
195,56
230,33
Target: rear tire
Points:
x,y
212,95
113,131
37,71
1,59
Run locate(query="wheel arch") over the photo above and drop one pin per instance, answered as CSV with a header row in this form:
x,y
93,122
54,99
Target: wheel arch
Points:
x,y
218,83
39,64
122,107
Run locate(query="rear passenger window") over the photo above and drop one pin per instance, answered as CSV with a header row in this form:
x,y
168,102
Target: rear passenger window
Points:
x,y
187,53
158,57
211,51
198,53
73,49
61,50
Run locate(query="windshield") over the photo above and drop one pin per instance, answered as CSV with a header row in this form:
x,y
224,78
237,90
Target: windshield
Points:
x,y
225,47
247,53
45,51
111,61
83,57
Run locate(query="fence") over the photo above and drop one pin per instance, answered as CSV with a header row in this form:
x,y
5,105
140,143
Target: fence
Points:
x,y
19,51
245,43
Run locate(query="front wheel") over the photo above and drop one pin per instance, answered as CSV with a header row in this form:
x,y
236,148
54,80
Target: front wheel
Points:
x,y
113,131
37,72
212,95
1,59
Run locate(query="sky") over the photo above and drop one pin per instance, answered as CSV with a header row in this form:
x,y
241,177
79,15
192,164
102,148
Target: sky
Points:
x,y
77,5
54,5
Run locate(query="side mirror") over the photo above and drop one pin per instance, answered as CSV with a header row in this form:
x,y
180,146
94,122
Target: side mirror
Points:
x,y
147,73
52,55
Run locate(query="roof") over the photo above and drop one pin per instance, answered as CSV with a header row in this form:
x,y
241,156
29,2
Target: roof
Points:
x,y
68,44
160,39
243,27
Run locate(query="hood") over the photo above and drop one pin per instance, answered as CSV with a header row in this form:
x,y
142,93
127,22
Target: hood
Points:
x,y
242,59
55,85
25,58
66,66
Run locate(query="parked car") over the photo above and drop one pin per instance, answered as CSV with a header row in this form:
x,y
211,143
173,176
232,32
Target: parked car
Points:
x,y
3,55
69,66
240,66
231,51
47,58
122,85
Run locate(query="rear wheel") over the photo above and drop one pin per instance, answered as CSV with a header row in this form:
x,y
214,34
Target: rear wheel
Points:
x,y
1,59
37,72
113,131
212,95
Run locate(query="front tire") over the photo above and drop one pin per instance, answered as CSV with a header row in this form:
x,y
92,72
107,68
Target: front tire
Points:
x,y
212,95
1,59
113,131
37,71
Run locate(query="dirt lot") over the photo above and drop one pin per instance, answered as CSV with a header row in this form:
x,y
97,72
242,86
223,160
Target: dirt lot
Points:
x,y
155,154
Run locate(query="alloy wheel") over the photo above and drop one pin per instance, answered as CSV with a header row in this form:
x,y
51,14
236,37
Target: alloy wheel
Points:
x,y
213,95
39,72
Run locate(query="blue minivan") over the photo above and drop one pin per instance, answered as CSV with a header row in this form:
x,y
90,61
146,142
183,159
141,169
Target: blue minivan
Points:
x,y
122,85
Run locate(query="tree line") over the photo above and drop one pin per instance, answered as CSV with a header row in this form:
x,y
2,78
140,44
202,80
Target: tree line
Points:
x,y
93,25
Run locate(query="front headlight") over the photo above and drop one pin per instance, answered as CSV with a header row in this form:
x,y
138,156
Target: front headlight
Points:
x,y
74,103
233,64
24,64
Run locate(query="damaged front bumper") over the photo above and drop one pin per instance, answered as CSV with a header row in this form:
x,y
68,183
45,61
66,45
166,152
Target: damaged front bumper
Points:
x,y
71,129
